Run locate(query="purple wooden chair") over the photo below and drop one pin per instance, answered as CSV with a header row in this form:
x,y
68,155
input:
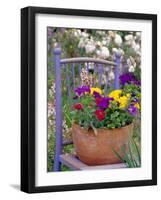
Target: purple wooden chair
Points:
x,y
68,159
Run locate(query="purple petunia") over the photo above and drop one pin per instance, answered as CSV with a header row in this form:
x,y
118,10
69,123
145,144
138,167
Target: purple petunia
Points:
x,y
128,78
133,110
82,90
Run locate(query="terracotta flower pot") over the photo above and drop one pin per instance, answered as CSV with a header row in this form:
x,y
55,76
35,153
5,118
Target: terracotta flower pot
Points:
x,y
98,149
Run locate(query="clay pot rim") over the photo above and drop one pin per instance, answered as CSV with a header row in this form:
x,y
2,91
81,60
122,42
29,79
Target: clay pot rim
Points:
x,y
129,125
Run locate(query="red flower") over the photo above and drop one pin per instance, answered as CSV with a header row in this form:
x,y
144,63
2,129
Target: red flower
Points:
x,y
78,106
98,101
100,114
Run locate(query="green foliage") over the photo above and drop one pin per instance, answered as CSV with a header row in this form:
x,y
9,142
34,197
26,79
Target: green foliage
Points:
x,y
137,73
133,89
85,117
115,117
133,157
51,152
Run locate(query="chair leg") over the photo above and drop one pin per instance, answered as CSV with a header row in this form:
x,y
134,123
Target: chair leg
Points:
x,y
58,147
58,106
57,163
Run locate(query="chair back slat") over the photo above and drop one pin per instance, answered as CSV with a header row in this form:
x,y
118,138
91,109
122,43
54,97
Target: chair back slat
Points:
x,y
73,76
100,72
68,86
116,72
95,68
88,67
95,72
79,70
106,83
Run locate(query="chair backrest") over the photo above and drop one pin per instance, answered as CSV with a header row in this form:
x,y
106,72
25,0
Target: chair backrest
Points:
x,y
71,65
75,65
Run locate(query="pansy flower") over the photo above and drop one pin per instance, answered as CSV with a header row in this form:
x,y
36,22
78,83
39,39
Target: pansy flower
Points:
x,y
96,94
100,114
115,94
133,110
123,101
82,90
78,106
95,89
103,102
129,78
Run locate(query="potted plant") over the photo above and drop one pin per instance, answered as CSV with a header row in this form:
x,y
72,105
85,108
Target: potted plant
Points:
x,y
103,124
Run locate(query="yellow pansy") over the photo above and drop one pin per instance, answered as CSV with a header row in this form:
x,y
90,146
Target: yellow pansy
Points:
x,y
137,105
98,90
128,95
123,101
115,94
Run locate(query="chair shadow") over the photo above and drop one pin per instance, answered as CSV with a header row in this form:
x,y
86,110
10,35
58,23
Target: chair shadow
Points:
x,y
15,186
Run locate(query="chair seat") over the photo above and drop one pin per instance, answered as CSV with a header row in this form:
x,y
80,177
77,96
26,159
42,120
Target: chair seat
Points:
x,y
74,163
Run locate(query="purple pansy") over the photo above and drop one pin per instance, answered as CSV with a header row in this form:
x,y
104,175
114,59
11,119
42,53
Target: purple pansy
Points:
x,y
96,94
135,100
82,90
128,78
103,103
133,110
136,82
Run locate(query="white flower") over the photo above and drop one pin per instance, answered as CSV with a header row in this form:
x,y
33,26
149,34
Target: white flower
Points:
x,y
118,51
121,51
131,68
82,43
104,53
114,50
90,48
84,34
138,36
100,32
111,75
136,47
128,61
132,60
89,65
107,68
98,53
111,33
98,43
138,53
118,40
129,37
103,80
56,44
104,42
138,33
108,40
77,32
